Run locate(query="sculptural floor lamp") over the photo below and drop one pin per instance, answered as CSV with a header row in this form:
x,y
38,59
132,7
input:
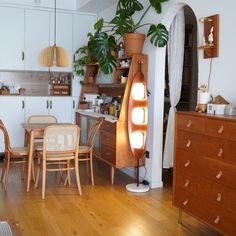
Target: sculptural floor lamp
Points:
x,y
137,124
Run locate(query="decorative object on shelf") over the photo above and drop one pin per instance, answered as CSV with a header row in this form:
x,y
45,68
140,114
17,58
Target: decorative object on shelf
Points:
x,y
22,91
211,33
204,98
103,43
217,106
121,51
54,55
137,124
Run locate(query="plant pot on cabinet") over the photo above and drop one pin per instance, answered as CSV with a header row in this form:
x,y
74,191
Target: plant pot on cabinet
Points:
x,y
133,43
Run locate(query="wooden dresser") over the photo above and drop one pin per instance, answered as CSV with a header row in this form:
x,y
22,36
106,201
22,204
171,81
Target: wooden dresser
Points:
x,y
205,169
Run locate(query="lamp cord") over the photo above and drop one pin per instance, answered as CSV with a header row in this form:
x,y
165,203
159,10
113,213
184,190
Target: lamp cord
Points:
x,y
209,76
55,22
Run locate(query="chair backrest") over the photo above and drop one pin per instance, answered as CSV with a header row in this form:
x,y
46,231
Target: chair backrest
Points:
x,y
42,119
6,136
93,131
61,139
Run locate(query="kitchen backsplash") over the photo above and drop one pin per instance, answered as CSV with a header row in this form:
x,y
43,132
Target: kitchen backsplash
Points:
x,y
35,83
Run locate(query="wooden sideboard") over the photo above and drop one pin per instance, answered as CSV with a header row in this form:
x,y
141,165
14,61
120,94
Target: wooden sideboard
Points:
x,y
205,169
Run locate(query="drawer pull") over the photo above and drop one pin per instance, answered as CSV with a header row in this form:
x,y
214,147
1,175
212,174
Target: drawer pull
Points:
x,y
219,197
187,163
189,124
185,202
108,153
220,153
220,130
188,143
217,220
187,183
219,175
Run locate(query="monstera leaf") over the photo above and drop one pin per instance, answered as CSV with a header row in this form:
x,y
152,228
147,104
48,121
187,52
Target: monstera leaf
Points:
x,y
156,4
158,35
102,45
129,7
122,24
99,24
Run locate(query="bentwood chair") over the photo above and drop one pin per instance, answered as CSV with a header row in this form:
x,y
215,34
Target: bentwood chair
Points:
x,y
60,147
86,151
42,119
12,155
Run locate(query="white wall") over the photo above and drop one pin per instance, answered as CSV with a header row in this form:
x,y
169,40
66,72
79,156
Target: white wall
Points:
x,y
222,78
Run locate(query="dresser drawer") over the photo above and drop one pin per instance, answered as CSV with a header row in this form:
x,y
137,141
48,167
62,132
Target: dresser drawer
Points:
x,y
212,214
108,126
108,139
219,149
208,190
191,142
190,123
215,171
108,154
221,128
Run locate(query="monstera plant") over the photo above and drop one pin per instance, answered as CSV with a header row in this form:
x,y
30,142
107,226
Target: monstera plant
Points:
x,y
103,43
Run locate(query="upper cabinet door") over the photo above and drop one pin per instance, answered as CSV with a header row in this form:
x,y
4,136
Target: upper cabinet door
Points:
x,y
12,38
64,30
36,37
82,25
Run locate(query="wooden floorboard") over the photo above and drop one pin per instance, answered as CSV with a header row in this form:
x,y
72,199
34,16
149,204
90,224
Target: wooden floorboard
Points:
x,y
102,210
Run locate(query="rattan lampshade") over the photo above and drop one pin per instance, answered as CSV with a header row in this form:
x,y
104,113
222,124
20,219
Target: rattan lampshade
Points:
x,y
54,55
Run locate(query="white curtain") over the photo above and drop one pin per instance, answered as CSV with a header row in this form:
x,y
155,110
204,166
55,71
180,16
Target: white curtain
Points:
x,y
175,65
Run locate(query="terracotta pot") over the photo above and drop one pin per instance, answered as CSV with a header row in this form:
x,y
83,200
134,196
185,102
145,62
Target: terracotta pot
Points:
x,y
133,43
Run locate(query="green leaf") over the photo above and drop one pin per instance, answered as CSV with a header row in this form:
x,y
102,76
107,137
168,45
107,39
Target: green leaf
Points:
x,y
130,6
123,24
158,35
99,24
108,64
156,4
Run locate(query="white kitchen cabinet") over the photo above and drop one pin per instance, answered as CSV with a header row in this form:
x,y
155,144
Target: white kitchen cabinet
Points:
x,y
64,33
36,106
12,115
37,37
61,108
82,25
12,38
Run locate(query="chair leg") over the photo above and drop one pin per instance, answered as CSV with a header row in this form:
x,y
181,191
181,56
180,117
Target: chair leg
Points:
x,y
37,174
3,171
87,165
44,179
23,170
91,166
7,171
32,169
68,172
77,175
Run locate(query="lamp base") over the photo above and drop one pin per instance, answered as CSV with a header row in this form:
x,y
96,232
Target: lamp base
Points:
x,y
137,189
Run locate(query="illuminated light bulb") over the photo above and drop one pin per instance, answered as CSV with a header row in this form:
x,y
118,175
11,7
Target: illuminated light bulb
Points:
x,y
138,91
138,115
137,140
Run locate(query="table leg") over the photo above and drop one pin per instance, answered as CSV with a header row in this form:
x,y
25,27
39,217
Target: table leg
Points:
x,y
112,174
31,153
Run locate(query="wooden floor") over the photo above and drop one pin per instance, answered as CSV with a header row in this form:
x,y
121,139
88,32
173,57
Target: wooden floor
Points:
x,y
101,210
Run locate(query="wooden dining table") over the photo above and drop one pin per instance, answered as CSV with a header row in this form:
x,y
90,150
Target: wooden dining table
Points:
x,y
32,131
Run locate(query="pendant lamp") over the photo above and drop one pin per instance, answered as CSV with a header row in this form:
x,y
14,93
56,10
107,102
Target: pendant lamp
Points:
x,y
54,55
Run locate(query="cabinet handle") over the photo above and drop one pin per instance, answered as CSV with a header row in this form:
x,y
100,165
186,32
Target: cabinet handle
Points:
x,y
47,104
219,175
217,220
185,202
74,58
220,153
50,104
220,130
188,144
22,56
187,183
73,104
189,124
219,197
108,153
23,104
187,163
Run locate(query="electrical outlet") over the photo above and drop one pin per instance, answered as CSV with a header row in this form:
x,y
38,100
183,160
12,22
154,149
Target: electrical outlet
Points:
x,y
147,154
